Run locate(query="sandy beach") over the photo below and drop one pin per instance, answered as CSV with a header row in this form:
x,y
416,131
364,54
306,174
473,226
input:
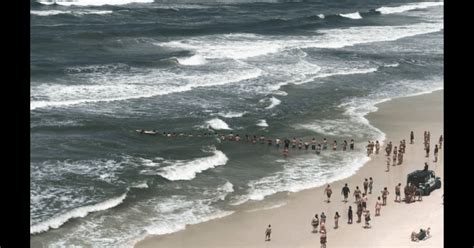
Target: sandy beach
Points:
x,y
291,222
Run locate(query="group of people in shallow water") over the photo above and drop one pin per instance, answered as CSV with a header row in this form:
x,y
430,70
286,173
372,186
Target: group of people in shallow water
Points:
x,y
361,197
299,144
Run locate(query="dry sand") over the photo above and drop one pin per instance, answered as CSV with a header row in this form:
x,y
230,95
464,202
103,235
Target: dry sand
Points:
x,y
291,222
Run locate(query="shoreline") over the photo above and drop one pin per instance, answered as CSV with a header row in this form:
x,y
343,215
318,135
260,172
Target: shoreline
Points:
x,y
290,222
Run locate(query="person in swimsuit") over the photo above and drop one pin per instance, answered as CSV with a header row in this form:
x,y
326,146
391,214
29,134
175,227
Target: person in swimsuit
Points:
x,y
377,147
384,195
328,192
285,152
300,144
359,212
367,219
315,223
313,144
366,186
371,184
336,220
427,149
344,145
394,156
293,143
364,201
323,239
349,215
357,193
268,232
440,141
436,154
397,193
388,163
352,144
412,137
306,145
334,146
277,142
325,144
323,219
378,206
318,149
345,192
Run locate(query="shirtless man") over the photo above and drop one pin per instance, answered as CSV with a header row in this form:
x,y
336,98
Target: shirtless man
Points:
x,y
366,185
384,195
328,192
268,232
371,184
436,154
357,193
397,192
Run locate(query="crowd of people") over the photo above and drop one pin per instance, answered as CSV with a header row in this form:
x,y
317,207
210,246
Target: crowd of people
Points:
x,y
294,143
318,223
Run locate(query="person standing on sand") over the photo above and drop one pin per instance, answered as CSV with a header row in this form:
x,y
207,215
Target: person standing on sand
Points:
x,y
388,164
322,227
366,185
352,145
357,193
367,219
315,223
371,184
400,158
397,193
328,192
436,153
427,149
268,232
406,192
364,201
323,239
378,206
349,215
384,195
419,192
345,192
359,212
440,141
377,147
412,137
323,219
394,156
336,220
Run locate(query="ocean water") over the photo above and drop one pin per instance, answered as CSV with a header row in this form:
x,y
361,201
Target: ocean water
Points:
x,y
100,69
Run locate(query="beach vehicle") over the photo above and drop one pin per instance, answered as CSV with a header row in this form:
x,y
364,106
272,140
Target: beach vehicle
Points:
x,y
425,179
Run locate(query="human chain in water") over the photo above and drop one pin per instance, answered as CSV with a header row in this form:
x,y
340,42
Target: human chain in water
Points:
x,y
316,145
